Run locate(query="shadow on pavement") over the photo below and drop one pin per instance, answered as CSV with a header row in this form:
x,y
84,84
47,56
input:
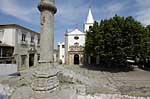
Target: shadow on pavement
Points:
x,y
114,69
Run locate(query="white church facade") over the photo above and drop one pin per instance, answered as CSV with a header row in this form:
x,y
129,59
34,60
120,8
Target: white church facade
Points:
x,y
74,47
75,43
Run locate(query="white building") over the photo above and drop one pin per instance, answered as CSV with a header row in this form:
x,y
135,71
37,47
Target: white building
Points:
x,y
74,48
75,42
61,52
89,22
56,55
24,43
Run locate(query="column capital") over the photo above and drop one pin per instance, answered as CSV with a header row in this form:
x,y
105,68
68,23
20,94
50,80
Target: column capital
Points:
x,y
47,5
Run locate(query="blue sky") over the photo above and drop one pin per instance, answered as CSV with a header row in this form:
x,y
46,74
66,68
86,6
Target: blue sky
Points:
x,y
71,13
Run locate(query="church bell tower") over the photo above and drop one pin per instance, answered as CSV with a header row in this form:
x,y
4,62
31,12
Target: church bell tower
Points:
x,y
89,22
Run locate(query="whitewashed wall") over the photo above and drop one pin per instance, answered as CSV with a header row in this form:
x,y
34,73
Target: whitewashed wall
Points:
x,y
28,36
61,52
87,26
6,69
73,34
9,36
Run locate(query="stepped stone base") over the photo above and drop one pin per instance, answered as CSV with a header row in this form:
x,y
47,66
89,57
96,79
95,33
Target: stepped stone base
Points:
x,y
44,83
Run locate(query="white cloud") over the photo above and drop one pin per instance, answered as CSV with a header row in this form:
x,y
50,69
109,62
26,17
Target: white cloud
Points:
x,y
113,8
74,11
144,16
109,9
143,3
11,7
143,13
70,12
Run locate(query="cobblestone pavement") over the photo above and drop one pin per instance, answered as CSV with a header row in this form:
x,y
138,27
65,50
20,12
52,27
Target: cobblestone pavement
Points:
x,y
133,83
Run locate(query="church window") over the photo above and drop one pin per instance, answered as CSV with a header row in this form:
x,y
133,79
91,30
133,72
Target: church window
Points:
x,y
90,27
63,46
76,37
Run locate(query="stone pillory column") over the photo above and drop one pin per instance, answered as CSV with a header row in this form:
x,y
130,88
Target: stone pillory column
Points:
x,y
47,9
45,79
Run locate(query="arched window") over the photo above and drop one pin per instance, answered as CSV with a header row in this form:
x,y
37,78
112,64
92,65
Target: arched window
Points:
x,y
76,37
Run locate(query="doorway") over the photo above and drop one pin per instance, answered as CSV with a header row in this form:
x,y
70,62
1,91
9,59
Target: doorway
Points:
x,y
31,60
76,59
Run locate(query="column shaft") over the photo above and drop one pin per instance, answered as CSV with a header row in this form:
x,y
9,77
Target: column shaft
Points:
x,y
47,36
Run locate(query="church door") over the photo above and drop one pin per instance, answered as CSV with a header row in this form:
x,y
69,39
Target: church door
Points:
x,y
76,59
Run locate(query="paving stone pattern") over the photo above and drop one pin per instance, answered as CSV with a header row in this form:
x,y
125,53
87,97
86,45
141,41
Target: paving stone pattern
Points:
x,y
81,83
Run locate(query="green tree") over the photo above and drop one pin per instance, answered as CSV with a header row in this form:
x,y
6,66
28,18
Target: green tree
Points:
x,y
91,39
145,47
118,38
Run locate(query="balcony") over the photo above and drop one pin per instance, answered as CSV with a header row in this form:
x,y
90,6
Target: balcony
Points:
x,y
32,44
24,42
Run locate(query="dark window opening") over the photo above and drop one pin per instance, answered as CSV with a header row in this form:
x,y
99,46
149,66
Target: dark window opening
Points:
x,y
63,46
23,37
32,39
